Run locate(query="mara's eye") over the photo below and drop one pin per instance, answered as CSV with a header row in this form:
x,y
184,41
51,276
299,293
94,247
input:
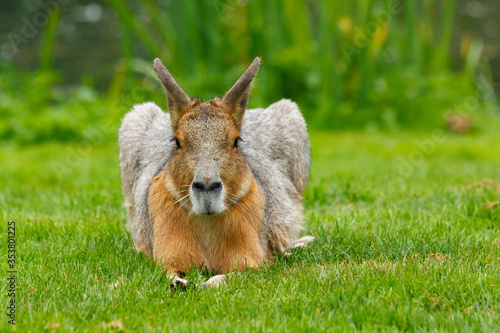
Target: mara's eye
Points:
x,y
177,143
235,144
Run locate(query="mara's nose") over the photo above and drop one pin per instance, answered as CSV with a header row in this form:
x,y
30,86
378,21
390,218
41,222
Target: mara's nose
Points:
x,y
207,186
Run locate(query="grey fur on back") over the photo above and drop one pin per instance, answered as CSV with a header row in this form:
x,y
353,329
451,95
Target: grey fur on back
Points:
x,y
274,143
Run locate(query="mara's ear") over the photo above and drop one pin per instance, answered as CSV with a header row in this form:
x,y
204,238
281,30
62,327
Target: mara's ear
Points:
x,y
177,100
237,97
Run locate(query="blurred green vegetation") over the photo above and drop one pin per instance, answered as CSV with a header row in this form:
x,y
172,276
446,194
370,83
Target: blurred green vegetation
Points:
x,y
379,65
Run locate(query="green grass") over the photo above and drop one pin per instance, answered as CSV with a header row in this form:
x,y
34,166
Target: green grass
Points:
x,y
397,247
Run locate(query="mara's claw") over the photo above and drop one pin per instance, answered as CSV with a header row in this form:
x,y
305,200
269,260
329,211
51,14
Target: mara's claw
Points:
x,y
178,282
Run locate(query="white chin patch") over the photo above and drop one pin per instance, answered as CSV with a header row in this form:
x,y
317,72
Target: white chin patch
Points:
x,y
207,203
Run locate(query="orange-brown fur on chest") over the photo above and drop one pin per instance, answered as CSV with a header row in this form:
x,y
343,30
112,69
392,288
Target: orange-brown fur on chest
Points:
x,y
222,243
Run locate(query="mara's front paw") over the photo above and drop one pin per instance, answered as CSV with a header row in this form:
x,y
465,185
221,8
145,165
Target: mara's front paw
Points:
x,y
215,281
301,242
178,282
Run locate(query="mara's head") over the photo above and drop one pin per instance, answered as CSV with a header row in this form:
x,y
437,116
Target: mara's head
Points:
x,y
206,165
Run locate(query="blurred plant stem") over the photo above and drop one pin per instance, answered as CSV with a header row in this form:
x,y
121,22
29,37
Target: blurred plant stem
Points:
x,y
49,37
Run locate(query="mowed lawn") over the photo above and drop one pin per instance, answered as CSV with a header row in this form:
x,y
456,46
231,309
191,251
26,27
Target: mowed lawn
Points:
x,y
407,238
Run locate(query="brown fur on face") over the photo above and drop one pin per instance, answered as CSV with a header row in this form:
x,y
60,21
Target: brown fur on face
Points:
x,y
220,230
222,243
207,133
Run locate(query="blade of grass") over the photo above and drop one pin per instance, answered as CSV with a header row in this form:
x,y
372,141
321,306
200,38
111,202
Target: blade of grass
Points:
x,y
48,41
